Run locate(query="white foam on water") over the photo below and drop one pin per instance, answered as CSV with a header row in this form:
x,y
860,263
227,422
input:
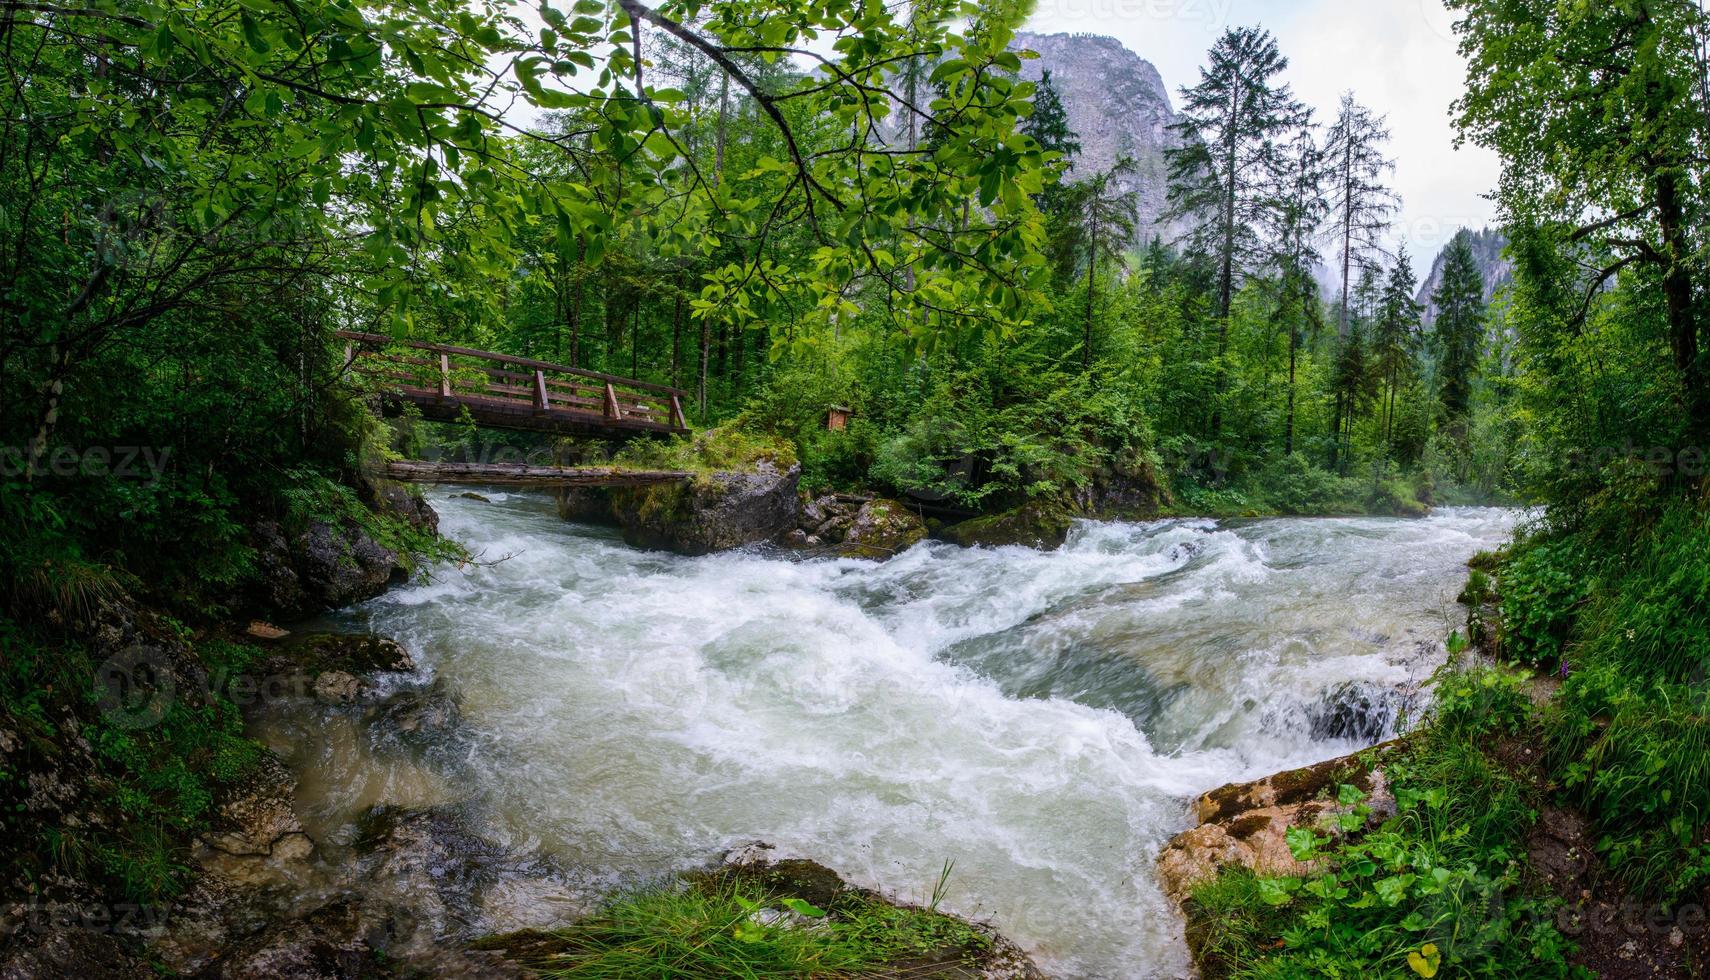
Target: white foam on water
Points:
x,y
637,713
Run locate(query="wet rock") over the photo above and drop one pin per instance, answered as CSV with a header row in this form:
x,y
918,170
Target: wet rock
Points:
x,y
428,712
333,668
814,512
402,501
472,495
716,512
337,687
1130,491
587,505
353,653
341,564
834,528
277,585
797,538
325,566
455,882
882,529
257,818
1039,524
87,954
331,943
1361,711
1246,824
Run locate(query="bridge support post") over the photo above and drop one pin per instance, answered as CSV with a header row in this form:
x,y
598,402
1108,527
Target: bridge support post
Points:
x,y
541,402
613,410
444,376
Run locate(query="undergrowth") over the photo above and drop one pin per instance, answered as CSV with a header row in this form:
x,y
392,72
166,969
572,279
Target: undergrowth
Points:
x,y
729,927
1439,887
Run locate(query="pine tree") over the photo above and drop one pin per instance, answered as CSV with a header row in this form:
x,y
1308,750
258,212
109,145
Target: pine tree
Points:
x,y
1296,222
1222,173
1103,215
1363,205
1395,341
1459,329
1350,389
1049,127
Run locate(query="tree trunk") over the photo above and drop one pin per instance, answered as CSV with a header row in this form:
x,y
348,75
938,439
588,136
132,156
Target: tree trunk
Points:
x,y
1092,270
676,339
1347,236
1678,295
718,143
701,385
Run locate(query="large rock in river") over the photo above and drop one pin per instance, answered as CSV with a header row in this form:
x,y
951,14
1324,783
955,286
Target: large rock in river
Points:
x,y
1041,524
714,512
882,529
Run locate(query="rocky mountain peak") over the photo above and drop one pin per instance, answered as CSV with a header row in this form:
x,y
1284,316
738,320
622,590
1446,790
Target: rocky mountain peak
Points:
x,y
1117,105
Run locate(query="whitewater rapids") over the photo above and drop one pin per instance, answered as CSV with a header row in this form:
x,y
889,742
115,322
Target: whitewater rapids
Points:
x,y
1042,720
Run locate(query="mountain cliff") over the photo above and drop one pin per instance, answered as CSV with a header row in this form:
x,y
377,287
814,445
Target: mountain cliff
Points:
x,y
1487,247
1117,105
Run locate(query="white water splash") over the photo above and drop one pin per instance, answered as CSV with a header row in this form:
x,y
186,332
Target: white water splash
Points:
x,y
1040,719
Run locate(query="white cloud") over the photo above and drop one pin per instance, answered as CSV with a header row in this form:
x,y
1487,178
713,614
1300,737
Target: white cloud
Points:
x,y
1398,56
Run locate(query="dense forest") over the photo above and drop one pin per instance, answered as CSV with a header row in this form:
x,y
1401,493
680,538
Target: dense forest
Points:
x,y
793,205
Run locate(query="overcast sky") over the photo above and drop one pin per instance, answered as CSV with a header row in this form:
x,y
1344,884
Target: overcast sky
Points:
x,y
1397,56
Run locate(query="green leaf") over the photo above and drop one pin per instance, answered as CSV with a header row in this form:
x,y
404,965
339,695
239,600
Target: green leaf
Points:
x,y
804,909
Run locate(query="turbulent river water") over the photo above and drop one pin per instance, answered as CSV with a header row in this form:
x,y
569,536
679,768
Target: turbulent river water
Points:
x,y
1040,719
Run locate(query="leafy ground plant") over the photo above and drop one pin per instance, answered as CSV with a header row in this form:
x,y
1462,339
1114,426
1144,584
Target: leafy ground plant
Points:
x,y
739,925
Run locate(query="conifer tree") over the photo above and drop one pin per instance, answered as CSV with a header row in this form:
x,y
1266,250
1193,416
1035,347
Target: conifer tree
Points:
x,y
1395,340
1049,126
1459,329
1361,202
1222,173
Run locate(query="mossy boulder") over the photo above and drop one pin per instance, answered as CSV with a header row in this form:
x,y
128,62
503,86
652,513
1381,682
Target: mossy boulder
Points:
x,y
1041,524
715,511
882,529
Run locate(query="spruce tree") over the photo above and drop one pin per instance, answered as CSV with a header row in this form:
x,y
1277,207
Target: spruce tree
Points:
x,y
1222,173
1395,340
1296,221
1361,203
1049,127
1459,328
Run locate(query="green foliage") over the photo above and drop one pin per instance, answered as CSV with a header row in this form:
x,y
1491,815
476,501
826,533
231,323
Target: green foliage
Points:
x,y
729,447
1542,587
1632,737
1438,887
728,927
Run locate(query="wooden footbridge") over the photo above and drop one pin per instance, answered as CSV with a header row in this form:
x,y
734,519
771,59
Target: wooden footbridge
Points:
x,y
450,384
505,392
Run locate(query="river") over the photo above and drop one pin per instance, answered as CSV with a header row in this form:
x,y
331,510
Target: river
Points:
x,y
1042,720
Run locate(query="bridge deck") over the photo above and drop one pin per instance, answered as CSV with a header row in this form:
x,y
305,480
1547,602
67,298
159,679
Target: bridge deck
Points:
x,y
507,392
525,475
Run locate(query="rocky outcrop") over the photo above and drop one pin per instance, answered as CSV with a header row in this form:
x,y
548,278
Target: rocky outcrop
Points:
x,y
1130,491
325,566
1246,824
714,512
1040,524
1488,246
335,668
1118,106
882,529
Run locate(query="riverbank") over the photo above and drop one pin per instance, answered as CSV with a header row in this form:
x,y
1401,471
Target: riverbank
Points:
x,y
1478,845
632,709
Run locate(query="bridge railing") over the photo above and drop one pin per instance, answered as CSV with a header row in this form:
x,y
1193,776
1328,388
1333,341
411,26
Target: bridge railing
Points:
x,y
427,372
